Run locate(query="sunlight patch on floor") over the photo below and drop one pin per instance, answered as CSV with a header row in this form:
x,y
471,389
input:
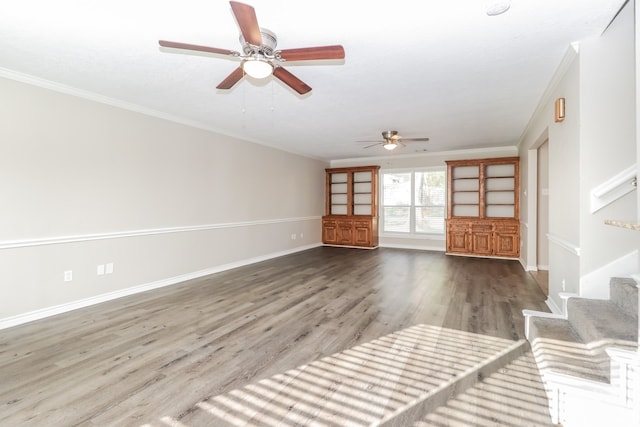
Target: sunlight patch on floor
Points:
x,y
374,382
508,397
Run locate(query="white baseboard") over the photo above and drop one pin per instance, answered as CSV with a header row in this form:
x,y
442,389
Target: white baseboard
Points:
x,y
526,267
418,247
553,307
86,302
534,267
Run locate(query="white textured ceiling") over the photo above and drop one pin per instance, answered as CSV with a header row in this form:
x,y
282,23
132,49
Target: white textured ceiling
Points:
x,y
444,70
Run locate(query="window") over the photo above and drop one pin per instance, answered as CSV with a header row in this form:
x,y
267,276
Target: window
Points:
x,y
413,201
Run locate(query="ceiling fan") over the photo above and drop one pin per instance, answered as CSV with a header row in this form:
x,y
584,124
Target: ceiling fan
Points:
x,y
392,140
259,57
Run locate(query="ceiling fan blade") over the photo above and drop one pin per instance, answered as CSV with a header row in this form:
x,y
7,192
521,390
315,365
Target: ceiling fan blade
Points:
x,y
177,45
414,139
310,53
373,145
231,79
248,22
290,80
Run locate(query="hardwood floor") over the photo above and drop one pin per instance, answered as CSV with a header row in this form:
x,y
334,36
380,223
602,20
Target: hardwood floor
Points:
x,y
328,336
542,278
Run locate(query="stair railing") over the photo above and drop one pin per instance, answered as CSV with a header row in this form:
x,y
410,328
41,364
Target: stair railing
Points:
x,y
614,188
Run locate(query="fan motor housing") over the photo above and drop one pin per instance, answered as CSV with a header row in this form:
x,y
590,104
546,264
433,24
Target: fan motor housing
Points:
x,y
268,46
389,134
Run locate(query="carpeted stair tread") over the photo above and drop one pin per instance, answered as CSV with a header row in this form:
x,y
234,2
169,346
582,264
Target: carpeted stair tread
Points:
x,y
559,348
576,347
624,293
602,321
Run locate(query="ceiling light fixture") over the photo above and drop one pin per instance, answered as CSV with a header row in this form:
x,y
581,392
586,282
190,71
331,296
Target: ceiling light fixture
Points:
x,y
390,145
495,8
257,67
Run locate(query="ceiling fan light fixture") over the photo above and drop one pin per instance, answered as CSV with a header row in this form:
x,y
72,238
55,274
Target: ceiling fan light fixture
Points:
x,y
390,145
257,68
495,8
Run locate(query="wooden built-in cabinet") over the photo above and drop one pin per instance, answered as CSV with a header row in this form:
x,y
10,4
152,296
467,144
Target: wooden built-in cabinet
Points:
x,y
351,207
483,207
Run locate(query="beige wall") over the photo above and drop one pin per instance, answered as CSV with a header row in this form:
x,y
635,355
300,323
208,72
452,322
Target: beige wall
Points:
x,y
83,184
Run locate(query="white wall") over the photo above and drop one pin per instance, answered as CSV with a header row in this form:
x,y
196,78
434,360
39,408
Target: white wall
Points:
x,y
594,142
543,207
607,135
83,184
637,120
400,161
564,176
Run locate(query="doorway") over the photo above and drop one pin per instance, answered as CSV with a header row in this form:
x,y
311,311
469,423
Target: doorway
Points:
x,y
542,244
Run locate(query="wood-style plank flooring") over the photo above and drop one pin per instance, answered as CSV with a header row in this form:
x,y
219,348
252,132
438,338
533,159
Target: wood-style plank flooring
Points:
x,y
542,278
327,336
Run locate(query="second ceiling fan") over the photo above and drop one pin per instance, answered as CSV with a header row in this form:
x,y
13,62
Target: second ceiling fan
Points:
x,y
392,140
259,56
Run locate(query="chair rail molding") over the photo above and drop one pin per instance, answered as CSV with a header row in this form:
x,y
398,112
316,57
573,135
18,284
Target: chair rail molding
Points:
x,y
613,188
13,244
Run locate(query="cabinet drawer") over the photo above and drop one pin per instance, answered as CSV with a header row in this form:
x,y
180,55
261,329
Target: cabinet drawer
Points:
x,y
362,224
457,226
507,228
328,223
481,227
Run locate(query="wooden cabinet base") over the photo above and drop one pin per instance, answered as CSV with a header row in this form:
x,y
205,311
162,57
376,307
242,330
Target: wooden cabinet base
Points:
x,y
499,238
360,232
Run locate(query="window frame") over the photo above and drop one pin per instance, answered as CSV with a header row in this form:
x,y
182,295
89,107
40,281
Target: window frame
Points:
x,y
412,233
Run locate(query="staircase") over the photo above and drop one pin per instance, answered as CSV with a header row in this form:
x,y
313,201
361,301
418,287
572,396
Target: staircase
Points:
x,y
589,359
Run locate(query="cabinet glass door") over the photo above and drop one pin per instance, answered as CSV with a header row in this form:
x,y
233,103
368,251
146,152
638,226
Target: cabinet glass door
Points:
x,y
466,191
338,194
500,191
362,193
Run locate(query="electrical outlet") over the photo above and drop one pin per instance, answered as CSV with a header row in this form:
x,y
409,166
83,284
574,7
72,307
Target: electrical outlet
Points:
x,y
100,270
68,276
293,236
301,235
109,268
